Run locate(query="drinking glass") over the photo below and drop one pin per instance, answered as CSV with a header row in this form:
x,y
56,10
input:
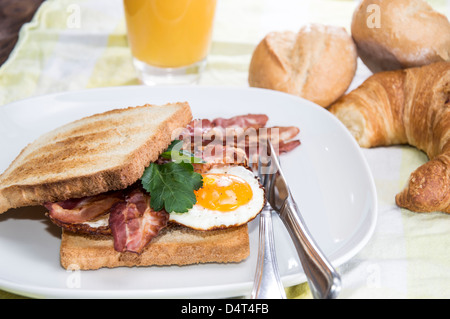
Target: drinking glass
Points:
x,y
169,39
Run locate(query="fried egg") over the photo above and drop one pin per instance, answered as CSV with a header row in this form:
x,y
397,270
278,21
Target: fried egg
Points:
x,y
231,196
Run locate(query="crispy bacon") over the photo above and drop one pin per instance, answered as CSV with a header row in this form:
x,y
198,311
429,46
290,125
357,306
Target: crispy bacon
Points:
x,y
204,131
134,224
203,127
285,147
218,153
199,127
80,210
283,133
131,222
228,138
97,226
219,129
242,121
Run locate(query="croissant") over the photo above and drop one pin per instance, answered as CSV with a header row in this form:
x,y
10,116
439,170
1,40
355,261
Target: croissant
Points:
x,y
410,106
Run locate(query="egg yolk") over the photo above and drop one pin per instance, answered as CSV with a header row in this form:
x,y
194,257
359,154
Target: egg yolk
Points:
x,y
223,192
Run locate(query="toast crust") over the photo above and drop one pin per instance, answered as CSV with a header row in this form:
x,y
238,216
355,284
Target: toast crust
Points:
x,y
47,169
175,245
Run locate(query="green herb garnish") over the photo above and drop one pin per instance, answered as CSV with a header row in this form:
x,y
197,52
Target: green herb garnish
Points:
x,y
176,153
172,185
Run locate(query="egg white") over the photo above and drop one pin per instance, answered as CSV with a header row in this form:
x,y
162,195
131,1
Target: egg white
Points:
x,y
201,218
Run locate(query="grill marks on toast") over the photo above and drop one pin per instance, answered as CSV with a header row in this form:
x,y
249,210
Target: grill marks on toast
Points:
x,y
68,153
106,151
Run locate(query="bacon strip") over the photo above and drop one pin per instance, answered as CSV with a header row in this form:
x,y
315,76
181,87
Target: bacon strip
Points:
x,y
131,222
80,210
245,134
134,224
250,127
92,227
218,153
204,127
242,121
288,146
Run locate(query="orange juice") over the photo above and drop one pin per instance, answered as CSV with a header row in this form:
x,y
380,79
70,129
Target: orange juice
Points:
x,y
169,33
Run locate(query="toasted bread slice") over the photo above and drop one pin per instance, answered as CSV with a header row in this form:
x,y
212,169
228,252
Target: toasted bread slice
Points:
x,y
175,245
103,152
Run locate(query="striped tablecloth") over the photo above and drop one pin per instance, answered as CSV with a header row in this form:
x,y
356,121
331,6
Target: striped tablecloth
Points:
x,y
77,44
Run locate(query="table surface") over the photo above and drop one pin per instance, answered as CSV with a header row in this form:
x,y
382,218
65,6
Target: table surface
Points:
x,y
13,14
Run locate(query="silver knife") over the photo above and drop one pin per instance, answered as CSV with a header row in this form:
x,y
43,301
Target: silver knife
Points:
x,y
323,279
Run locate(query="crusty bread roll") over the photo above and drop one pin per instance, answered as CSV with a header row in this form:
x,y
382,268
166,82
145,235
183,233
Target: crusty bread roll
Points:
x,y
399,34
318,63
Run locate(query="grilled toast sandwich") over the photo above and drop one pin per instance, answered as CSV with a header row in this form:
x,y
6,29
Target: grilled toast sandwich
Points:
x,y
69,169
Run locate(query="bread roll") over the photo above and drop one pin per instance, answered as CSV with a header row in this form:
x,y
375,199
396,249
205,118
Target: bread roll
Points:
x,y
400,34
318,63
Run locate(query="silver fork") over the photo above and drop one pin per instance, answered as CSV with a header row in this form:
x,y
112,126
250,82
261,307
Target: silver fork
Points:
x,y
267,283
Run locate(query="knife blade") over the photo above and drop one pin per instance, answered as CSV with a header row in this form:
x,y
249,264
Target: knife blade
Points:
x,y
323,279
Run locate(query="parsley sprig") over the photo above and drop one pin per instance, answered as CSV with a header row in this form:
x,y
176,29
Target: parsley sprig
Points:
x,y
171,185
176,153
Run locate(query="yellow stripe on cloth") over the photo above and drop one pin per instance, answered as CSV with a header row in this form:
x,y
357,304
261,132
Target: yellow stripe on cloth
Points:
x,y
114,67
7,295
427,240
301,291
58,49
20,74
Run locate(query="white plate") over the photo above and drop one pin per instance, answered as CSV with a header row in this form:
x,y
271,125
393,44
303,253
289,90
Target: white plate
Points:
x,y
328,176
